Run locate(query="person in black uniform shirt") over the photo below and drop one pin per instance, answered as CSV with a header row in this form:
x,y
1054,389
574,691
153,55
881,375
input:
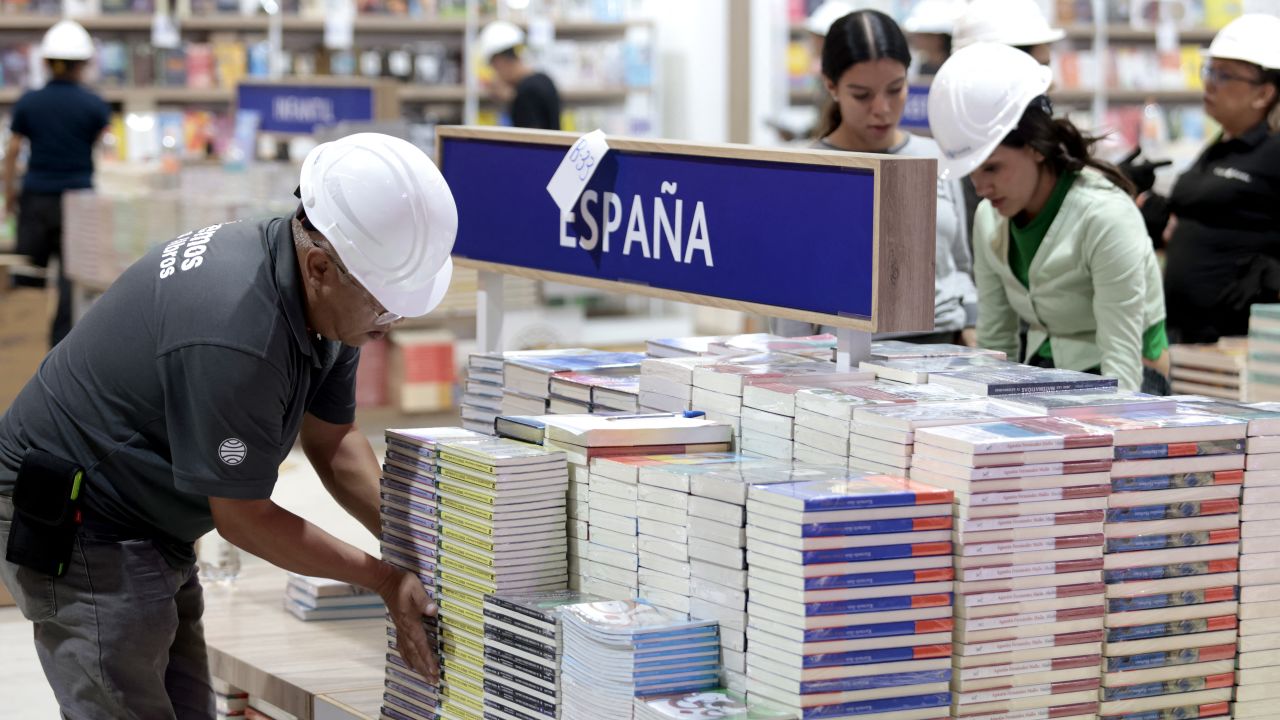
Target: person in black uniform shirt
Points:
x,y
61,121
1222,220
535,102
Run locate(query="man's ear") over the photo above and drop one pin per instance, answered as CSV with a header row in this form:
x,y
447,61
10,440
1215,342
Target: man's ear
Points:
x,y
315,264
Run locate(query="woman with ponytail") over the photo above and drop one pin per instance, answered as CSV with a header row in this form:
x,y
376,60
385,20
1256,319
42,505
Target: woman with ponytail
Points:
x,y
864,67
1058,242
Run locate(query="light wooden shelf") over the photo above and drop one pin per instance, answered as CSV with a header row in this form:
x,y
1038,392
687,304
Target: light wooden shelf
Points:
x,y
392,24
1125,33
1081,97
433,93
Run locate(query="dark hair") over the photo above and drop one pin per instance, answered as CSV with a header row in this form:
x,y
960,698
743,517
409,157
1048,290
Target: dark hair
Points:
x,y
1064,148
858,37
508,54
64,68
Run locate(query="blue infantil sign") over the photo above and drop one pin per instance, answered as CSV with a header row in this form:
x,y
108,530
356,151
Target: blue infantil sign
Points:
x,y
754,230
301,108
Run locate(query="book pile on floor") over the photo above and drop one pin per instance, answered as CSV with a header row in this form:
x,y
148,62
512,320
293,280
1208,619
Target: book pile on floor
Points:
x,y
1263,363
229,701
313,598
1171,565
502,517
850,606
411,541
1214,370
615,651
883,437
769,410
523,644
706,705
1029,597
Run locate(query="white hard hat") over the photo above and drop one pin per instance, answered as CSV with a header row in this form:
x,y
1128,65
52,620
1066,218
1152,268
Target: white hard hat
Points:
x,y
66,40
1011,22
387,211
934,16
499,36
977,98
1252,38
826,15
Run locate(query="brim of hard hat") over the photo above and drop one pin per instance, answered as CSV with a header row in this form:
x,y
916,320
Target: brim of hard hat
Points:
x,y
1049,36
1209,54
421,301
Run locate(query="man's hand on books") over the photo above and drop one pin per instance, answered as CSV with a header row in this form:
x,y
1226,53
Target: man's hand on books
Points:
x,y
408,602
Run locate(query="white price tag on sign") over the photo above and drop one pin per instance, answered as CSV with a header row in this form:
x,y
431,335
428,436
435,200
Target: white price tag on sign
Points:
x,y
576,169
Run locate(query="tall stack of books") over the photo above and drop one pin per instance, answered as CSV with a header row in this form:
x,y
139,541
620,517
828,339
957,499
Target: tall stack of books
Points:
x,y
482,393
502,514
616,651
526,377
707,704
523,643
1216,369
1024,380
821,413
411,541
1171,566
769,409
610,561
884,436
1263,363
850,608
1029,597
313,598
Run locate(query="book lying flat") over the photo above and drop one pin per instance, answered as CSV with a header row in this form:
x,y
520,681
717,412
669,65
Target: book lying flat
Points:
x,y
1024,381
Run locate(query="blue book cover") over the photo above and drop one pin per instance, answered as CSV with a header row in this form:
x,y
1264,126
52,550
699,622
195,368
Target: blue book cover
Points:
x,y
408,477
1163,572
858,491
425,492
1158,451
426,464
416,520
877,579
869,657
1172,511
1185,656
1169,629
1161,541
872,707
391,524
408,546
859,632
407,504
872,682
588,360
875,527
866,605
409,450
877,552
1166,600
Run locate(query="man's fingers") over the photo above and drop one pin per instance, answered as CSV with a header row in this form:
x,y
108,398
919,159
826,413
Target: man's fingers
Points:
x,y
1131,156
1161,163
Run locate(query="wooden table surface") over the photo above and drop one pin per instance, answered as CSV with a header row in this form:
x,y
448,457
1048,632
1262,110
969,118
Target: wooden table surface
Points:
x,y
256,645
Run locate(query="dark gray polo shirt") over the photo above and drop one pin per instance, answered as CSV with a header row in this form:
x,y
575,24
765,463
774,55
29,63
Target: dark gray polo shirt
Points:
x,y
188,379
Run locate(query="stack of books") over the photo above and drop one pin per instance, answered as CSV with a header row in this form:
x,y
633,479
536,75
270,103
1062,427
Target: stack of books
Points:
x,y
609,563
693,346
502,515
813,347
605,391
1029,597
411,541
882,437
1090,404
824,416
229,701
616,651
313,598
850,608
919,370
1215,370
523,644
482,392
769,410
902,350
1263,363
717,388
705,705
666,383
527,377
1171,566
1024,380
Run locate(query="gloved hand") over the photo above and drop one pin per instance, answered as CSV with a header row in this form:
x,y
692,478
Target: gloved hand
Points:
x,y
1259,281
1142,174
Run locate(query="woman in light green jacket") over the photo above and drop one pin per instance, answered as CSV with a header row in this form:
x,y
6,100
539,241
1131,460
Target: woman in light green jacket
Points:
x,y
1058,242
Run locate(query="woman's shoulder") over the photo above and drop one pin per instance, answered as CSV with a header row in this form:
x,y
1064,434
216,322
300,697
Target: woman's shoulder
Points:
x,y
919,146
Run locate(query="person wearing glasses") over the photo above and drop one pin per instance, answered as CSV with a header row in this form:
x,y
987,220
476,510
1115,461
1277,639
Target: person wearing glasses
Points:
x,y
179,395
1221,223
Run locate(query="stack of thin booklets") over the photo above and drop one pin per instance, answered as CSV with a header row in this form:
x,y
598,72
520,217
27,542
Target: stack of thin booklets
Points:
x,y
527,377
1215,369
482,393
769,410
882,437
411,541
522,649
1029,597
313,598
1024,380
1263,365
824,416
1171,566
1258,663
707,705
615,651
850,607
502,516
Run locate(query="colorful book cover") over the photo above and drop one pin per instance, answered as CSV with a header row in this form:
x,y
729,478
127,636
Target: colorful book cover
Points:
x,y
1180,685
1165,572
1024,381
1163,541
875,527
1171,658
856,492
1019,434
920,369
1176,481
878,630
1174,599
1174,450
1143,513
1170,629
866,605
872,682
878,579
881,552
877,656
571,360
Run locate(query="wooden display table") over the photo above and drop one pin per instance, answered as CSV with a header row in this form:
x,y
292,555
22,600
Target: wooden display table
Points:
x,y
326,670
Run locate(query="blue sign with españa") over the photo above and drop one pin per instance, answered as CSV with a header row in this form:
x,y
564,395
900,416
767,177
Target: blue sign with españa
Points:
x,y
301,108
768,233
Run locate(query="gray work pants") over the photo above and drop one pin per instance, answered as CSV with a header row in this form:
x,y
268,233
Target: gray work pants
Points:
x,y
119,635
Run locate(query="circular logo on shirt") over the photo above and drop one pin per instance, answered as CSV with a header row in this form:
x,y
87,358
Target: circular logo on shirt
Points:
x,y
232,451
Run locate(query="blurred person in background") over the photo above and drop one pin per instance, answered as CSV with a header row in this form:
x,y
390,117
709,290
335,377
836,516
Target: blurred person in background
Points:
x,y
1017,23
1221,223
59,124
1058,242
534,99
929,28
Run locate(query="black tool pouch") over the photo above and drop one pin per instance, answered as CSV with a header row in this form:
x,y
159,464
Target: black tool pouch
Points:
x,y
46,513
